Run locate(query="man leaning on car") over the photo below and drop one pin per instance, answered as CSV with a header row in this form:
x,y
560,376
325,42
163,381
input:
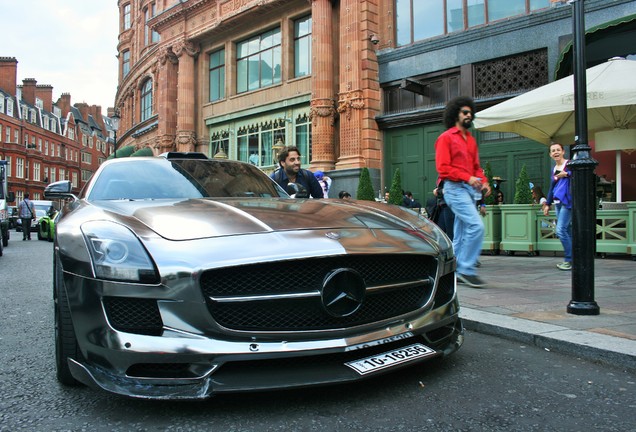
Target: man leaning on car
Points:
x,y
26,210
289,171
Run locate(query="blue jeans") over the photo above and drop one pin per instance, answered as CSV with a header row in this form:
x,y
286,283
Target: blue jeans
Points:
x,y
564,229
468,229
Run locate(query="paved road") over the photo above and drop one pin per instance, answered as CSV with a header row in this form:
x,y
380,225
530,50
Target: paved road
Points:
x,y
491,384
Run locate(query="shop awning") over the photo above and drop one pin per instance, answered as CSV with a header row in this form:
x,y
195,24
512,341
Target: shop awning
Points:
x,y
611,39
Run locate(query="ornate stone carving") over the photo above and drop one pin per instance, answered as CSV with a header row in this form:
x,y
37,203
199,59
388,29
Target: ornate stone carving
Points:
x,y
186,140
322,108
350,101
164,143
183,46
165,54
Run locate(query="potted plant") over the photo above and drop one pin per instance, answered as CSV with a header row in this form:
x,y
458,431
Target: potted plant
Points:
x,y
395,193
519,220
365,187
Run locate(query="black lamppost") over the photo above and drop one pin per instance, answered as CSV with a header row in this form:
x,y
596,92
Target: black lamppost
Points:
x,y
583,197
114,124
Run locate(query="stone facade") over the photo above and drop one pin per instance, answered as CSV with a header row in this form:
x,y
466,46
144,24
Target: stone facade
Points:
x,y
343,103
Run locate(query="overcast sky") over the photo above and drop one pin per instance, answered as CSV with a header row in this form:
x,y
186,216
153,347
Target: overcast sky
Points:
x,y
68,44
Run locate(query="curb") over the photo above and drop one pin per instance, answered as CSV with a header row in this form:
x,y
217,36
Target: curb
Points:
x,y
610,350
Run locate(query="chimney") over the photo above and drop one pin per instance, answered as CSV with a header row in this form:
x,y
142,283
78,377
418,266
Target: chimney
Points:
x,y
45,92
28,90
8,74
64,104
96,111
83,109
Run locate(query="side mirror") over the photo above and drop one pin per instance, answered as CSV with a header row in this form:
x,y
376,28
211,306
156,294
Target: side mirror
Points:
x,y
60,189
292,189
296,190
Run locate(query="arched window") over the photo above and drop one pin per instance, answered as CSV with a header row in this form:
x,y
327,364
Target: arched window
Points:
x,y
146,100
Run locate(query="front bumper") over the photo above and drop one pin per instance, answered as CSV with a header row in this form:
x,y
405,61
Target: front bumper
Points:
x,y
281,365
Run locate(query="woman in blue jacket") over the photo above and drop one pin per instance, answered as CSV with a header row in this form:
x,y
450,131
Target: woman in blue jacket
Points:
x,y
561,197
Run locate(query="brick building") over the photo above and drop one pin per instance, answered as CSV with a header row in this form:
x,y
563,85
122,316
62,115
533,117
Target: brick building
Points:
x,y
353,83
45,141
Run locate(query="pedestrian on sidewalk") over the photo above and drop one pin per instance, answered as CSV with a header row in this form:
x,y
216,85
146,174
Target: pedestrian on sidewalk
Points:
x,y
26,210
457,163
561,196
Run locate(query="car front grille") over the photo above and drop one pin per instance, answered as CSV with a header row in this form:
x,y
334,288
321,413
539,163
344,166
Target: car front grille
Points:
x,y
289,292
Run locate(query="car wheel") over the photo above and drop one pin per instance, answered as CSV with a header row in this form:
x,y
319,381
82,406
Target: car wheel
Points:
x,y
65,341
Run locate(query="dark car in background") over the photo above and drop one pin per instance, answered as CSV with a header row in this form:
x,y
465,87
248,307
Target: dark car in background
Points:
x,y
13,217
182,277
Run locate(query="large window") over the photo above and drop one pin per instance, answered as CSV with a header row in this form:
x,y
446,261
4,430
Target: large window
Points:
x,y
126,17
255,143
417,19
217,75
36,171
154,36
150,36
258,61
302,47
146,100
125,63
19,168
303,138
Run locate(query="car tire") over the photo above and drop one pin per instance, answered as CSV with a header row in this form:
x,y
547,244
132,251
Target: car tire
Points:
x,y
65,341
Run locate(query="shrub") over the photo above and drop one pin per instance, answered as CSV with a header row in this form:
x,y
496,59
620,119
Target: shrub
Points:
x,y
365,187
523,194
125,151
395,193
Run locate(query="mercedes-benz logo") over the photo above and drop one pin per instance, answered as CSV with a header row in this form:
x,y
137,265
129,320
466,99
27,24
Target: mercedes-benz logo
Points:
x,y
343,292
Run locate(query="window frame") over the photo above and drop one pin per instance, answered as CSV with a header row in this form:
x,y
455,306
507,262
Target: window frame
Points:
x,y
298,41
145,100
220,79
472,16
256,49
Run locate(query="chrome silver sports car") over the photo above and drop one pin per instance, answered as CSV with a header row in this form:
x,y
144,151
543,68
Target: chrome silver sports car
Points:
x,y
181,277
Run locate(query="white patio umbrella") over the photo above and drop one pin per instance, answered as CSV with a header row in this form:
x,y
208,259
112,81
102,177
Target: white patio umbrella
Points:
x,y
546,114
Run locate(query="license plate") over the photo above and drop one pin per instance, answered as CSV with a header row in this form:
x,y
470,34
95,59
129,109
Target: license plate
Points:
x,y
390,358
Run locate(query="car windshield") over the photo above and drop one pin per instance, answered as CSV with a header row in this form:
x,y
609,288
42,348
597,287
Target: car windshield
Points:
x,y
159,178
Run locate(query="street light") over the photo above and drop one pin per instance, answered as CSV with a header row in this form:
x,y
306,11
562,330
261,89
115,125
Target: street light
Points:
x,y
114,124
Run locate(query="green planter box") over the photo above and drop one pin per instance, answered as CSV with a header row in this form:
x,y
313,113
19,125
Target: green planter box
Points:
x,y
631,229
612,230
492,230
518,228
547,239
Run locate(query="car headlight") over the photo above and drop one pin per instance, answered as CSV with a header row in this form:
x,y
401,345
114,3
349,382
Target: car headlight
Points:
x,y
117,254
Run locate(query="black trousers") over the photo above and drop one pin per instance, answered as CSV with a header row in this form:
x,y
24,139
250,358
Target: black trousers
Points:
x,y
26,228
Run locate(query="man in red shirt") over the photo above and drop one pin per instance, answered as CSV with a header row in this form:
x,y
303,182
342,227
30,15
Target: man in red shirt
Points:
x,y
457,163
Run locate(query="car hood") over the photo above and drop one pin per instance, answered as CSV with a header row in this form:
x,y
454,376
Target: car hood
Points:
x,y
206,218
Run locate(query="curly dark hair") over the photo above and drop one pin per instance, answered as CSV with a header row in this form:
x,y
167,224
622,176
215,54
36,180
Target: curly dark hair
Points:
x,y
451,113
285,152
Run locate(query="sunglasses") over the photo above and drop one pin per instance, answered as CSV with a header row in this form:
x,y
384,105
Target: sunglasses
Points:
x,y
466,112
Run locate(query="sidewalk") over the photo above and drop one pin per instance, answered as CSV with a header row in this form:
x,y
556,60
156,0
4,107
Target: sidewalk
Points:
x,y
526,299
